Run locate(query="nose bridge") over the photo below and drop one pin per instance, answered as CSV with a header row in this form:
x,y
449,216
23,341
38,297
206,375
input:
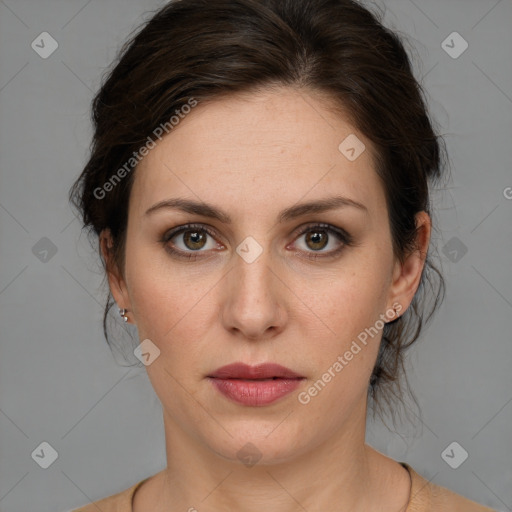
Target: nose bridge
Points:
x,y
251,302
253,273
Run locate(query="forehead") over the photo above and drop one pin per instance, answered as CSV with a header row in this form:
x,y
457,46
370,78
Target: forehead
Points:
x,y
253,149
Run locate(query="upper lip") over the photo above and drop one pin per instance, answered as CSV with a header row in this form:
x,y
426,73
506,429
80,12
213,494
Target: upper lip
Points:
x,y
260,371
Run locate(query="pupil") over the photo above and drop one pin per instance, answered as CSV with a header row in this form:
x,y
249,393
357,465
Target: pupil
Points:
x,y
195,238
316,237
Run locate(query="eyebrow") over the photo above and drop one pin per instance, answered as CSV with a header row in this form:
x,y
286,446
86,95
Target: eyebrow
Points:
x,y
208,210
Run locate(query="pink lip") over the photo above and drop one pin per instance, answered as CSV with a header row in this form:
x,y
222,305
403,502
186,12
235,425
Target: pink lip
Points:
x,y
255,385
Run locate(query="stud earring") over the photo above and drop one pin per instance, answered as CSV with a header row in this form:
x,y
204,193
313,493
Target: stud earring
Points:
x,y
122,312
396,317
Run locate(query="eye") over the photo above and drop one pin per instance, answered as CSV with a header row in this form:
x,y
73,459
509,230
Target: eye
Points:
x,y
318,237
193,239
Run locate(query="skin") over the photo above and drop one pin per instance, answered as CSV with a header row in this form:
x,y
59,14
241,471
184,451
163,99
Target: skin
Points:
x,y
252,156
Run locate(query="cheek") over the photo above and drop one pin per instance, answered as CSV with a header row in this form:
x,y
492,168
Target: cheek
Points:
x,y
348,353
352,300
171,306
348,310
164,308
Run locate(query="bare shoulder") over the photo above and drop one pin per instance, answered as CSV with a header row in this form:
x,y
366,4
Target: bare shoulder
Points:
x,y
445,500
429,497
120,502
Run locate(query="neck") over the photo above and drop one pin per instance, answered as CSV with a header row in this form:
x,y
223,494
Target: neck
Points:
x,y
341,473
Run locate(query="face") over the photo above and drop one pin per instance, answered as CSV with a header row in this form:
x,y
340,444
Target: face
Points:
x,y
265,280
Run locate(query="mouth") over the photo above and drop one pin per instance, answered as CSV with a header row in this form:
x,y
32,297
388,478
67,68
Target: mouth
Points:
x,y
259,380
265,371
255,385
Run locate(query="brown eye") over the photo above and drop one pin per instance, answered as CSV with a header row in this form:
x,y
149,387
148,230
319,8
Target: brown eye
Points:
x,y
189,241
319,236
194,240
317,239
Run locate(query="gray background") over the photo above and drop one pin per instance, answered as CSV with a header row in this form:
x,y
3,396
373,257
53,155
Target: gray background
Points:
x,y
59,381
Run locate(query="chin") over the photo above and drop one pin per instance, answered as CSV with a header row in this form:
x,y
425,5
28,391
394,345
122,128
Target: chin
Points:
x,y
261,443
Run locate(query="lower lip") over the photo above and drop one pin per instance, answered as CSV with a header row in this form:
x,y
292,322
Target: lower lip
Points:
x,y
255,392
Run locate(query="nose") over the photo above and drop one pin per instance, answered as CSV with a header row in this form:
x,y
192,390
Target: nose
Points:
x,y
252,305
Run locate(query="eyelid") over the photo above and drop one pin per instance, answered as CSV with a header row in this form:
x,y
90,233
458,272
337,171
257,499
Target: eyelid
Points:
x,y
185,255
178,230
345,238
343,235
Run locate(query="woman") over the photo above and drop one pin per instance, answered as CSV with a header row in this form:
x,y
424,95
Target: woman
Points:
x,y
259,183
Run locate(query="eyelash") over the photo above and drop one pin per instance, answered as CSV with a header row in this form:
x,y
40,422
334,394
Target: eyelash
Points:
x,y
343,236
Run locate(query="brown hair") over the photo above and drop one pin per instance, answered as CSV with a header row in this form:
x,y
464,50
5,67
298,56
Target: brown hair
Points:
x,y
208,49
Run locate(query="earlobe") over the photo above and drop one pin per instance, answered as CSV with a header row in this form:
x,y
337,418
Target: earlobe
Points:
x,y
407,275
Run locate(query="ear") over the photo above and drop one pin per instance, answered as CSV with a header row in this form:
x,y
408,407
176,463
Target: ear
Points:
x,y
407,275
115,279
